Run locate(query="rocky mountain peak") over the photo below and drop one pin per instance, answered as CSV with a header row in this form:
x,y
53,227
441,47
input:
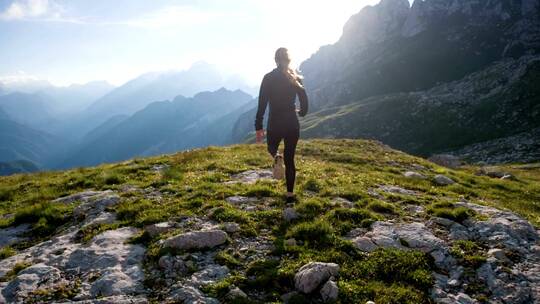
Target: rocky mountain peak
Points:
x,y
424,13
375,23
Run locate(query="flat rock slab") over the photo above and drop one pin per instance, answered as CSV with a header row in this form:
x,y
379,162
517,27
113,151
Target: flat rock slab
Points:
x,y
208,275
414,175
107,266
239,200
405,236
12,235
83,196
196,240
396,190
251,176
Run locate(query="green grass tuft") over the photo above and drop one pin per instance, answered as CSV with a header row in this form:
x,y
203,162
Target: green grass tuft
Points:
x,y
314,234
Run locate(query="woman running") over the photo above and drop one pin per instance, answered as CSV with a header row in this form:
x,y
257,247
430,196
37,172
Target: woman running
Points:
x,y
279,88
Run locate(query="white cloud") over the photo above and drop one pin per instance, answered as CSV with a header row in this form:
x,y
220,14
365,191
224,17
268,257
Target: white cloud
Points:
x,y
22,82
26,9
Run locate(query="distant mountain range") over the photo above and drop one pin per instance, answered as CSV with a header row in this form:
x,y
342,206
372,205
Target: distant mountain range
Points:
x,y
19,142
88,124
145,89
161,127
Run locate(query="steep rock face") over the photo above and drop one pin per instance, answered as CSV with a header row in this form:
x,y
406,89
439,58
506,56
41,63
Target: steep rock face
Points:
x,y
375,23
393,48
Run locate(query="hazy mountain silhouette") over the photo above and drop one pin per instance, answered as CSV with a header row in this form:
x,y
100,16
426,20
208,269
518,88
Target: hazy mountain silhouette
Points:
x,y
145,89
19,142
160,127
33,110
74,98
17,166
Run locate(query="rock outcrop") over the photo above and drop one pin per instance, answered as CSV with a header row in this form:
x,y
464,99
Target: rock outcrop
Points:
x,y
196,240
310,276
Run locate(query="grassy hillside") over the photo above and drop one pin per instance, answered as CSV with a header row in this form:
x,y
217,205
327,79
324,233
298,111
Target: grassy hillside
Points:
x,y
499,101
193,183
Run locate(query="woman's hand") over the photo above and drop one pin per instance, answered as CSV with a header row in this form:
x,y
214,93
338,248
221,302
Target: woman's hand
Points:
x,y
259,136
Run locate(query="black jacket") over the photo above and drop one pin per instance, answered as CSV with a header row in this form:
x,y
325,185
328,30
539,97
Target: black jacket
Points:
x,y
277,90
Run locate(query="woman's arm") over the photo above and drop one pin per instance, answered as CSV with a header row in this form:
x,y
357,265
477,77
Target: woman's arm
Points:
x,y
263,102
302,96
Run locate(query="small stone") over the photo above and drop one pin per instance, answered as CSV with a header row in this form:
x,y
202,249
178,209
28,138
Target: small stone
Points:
x,y
370,302
159,228
196,240
312,275
231,227
190,294
453,283
172,265
290,242
498,254
236,293
396,190
238,200
443,180
209,275
413,175
364,244
341,202
463,298
289,214
329,291
443,221
251,176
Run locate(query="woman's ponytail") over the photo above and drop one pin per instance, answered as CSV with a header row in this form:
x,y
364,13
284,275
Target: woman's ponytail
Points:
x,y
283,60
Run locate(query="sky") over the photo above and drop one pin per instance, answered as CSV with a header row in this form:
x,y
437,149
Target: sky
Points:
x,y
77,41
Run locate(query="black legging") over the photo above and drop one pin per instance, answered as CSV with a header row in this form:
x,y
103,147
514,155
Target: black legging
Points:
x,y
287,129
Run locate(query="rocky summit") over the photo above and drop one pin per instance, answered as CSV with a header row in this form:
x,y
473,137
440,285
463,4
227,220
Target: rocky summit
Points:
x,y
370,225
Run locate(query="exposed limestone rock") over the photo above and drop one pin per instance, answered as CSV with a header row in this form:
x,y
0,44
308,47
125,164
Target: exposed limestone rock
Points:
x,y
107,266
341,202
12,235
312,275
239,200
191,295
364,244
236,293
197,240
290,214
231,227
396,190
442,180
208,275
329,291
414,175
251,176
173,266
405,236
82,196
30,279
158,228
